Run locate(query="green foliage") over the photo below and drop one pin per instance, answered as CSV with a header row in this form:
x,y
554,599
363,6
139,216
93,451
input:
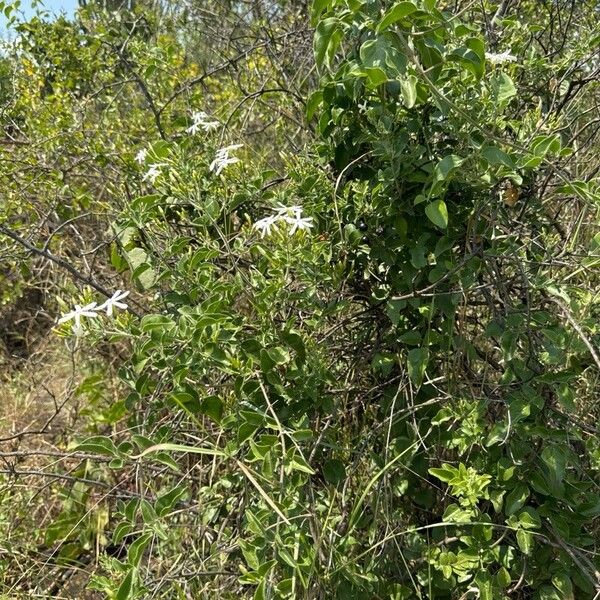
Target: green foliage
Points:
x,y
382,401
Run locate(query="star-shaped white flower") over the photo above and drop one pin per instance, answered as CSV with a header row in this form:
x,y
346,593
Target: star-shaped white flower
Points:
x,y
200,120
222,159
284,211
77,313
152,173
114,300
140,157
193,129
298,223
497,59
209,126
266,225
292,215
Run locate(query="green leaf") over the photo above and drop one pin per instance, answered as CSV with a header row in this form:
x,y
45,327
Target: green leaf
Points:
x,y
446,473
437,212
495,156
417,364
562,582
185,400
585,190
279,355
516,499
259,594
454,513
373,54
497,499
156,323
334,471
529,518
136,550
312,104
142,272
295,342
525,541
542,145
380,57
116,260
409,90
443,415
212,406
167,500
392,310
165,459
555,459
326,40
485,586
469,59
125,591
566,397
446,166
161,149
476,45
417,257
179,448
99,445
298,463
502,87
285,587
412,337
318,6
397,12
547,592
376,75
503,578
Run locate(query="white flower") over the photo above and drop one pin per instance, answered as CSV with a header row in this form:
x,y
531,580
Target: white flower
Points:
x,y
220,162
292,215
283,211
193,128
222,159
266,225
77,313
497,59
210,125
152,173
140,157
299,223
113,301
201,121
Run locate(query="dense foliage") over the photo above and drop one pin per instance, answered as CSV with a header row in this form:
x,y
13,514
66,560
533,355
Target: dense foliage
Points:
x,y
334,270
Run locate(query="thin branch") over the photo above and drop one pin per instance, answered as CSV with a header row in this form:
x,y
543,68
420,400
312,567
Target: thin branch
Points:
x,y
60,262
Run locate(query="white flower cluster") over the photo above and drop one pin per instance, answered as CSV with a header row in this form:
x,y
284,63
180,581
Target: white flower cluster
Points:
x,y
222,159
200,120
91,310
153,172
498,59
140,157
290,215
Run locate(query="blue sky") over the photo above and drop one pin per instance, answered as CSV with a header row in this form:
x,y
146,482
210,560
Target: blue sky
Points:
x,y
52,6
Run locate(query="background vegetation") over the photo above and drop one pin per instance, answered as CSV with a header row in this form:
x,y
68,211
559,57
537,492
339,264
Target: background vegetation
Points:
x,y
359,356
